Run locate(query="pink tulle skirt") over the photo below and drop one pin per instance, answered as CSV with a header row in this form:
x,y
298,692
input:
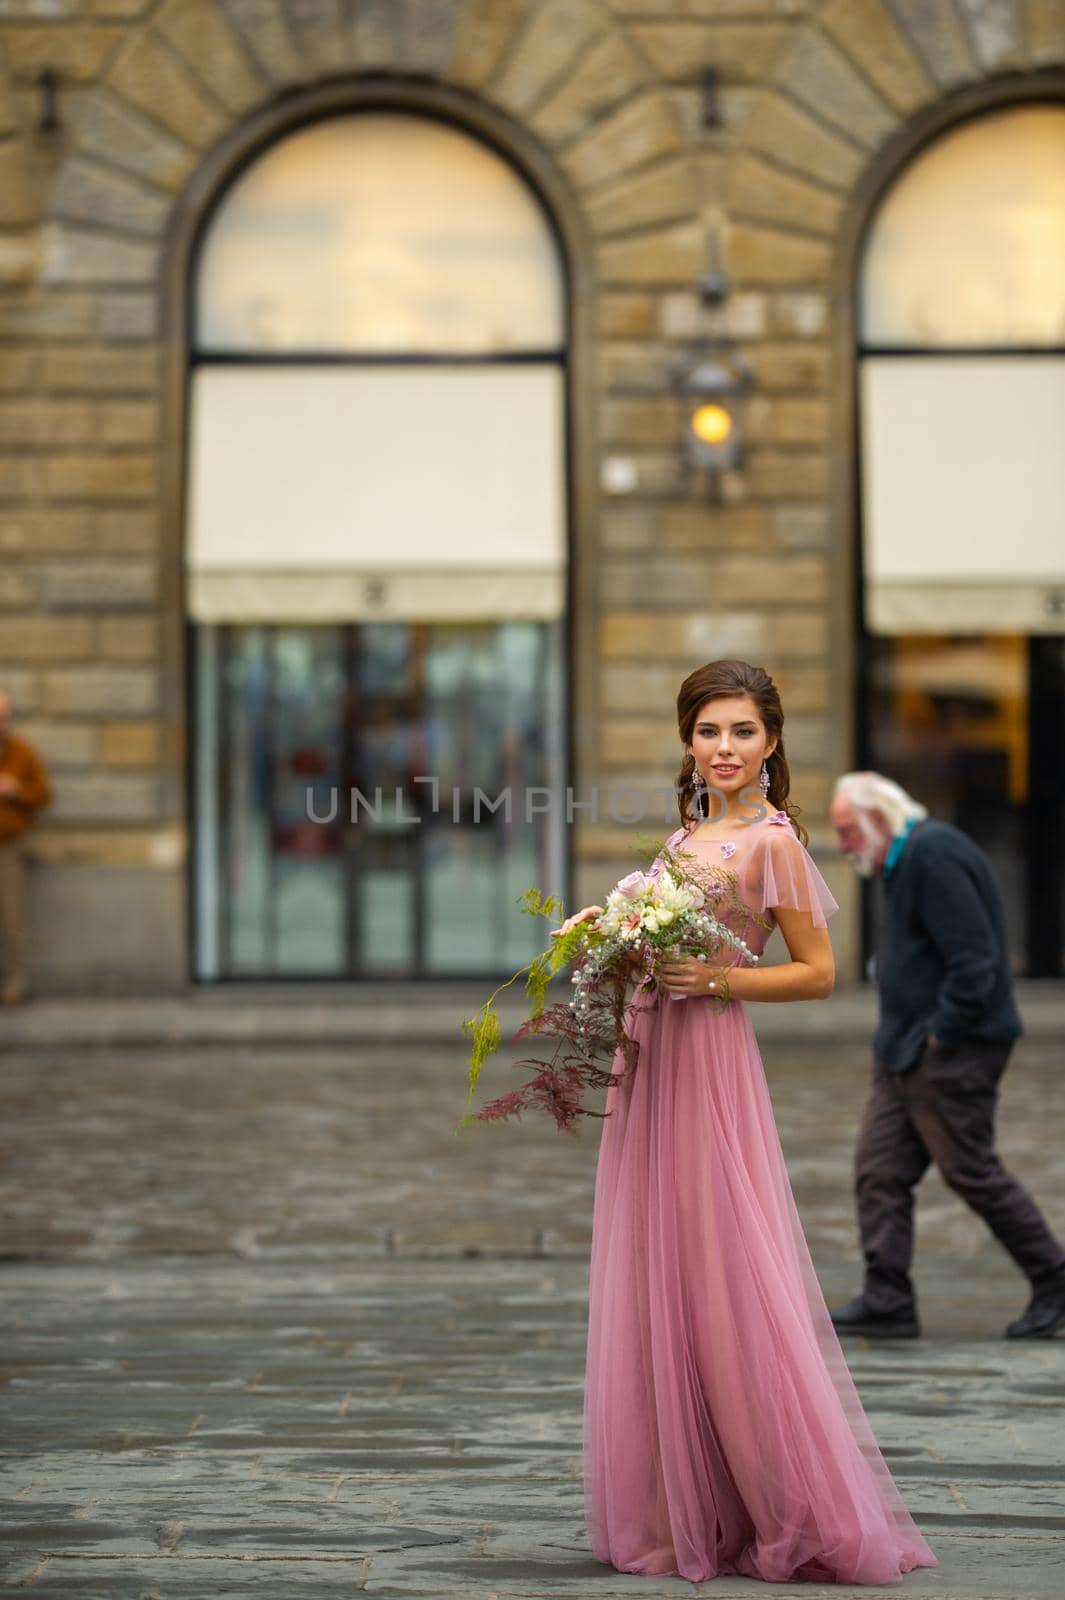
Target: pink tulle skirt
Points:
x,y
722,1429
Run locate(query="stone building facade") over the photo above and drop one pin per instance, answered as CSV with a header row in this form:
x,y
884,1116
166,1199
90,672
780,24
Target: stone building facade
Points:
x,y
767,167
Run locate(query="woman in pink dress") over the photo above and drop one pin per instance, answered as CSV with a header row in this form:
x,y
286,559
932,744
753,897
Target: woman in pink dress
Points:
x,y
722,1429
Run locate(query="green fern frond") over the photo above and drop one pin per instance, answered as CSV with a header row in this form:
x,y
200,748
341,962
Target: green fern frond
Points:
x,y
541,971
647,847
483,1029
534,903
568,945
485,1032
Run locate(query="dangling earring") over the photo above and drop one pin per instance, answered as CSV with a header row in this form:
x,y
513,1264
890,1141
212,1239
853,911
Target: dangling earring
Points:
x,y
763,781
699,788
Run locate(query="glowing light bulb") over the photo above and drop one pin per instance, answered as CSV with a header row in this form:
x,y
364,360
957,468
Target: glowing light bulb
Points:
x,y
711,423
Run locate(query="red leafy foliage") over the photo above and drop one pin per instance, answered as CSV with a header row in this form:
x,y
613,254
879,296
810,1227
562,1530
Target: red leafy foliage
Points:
x,y
583,1060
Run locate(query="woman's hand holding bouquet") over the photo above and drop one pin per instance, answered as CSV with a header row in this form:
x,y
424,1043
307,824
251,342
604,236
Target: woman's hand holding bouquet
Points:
x,y
652,922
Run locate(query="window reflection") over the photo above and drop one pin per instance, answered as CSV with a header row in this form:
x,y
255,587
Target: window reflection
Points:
x,y
949,721
307,714
282,901
969,246
379,232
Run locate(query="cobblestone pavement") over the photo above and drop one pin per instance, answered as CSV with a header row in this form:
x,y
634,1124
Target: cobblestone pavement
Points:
x,y
270,1328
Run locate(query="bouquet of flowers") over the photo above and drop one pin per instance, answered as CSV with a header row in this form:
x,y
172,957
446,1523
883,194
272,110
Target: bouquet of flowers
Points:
x,y
647,914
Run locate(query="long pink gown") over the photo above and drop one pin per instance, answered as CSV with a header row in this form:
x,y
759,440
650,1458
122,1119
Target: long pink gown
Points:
x,y
722,1429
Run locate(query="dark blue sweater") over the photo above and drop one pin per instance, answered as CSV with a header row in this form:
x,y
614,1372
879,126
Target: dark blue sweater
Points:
x,y
942,962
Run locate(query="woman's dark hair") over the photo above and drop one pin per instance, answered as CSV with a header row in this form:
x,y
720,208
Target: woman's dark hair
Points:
x,y
720,680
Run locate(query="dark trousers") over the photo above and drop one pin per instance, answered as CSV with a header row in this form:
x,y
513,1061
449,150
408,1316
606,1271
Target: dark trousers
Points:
x,y
942,1110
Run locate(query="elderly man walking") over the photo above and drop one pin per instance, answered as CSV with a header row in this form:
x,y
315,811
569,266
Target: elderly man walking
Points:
x,y
24,789
948,1022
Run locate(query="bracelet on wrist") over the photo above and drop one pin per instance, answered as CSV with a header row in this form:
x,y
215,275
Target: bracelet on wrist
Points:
x,y
719,990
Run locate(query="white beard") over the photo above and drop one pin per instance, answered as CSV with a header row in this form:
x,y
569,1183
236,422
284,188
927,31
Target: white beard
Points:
x,y
862,865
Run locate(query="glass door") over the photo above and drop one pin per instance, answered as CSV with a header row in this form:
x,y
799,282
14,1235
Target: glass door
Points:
x,y
973,726
1046,826
269,875
372,799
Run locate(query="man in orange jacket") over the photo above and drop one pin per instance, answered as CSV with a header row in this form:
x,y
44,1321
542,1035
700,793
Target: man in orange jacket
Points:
x,y
24,789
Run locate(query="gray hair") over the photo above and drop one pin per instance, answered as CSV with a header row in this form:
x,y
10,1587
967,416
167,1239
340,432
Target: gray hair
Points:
x,y
871,791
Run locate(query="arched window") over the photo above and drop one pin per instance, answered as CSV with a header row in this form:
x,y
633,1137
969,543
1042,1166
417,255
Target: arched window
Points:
x,y
961,323
379,233
962,349
376,551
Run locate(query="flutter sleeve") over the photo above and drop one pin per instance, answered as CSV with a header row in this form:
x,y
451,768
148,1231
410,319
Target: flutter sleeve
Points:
x,y
782,873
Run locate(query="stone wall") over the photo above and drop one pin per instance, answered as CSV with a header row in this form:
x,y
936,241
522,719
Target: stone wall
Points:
x,y
817,102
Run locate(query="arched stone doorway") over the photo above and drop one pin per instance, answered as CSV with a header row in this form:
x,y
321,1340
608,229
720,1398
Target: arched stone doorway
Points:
x,y
961,410
376,554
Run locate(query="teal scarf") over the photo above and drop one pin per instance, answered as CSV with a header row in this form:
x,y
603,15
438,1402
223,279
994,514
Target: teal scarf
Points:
x,y
898,844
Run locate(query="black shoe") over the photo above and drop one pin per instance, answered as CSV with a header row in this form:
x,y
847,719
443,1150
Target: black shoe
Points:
x,y
856,1317
1045,1313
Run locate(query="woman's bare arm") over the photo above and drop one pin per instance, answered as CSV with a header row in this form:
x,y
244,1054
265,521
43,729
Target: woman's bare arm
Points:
x,y
809,975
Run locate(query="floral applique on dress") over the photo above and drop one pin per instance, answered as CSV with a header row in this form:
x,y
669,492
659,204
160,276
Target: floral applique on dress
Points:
x,y
720,885
728,849
781,819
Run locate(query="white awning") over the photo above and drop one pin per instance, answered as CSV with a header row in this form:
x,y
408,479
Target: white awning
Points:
x,y
964,493
376,492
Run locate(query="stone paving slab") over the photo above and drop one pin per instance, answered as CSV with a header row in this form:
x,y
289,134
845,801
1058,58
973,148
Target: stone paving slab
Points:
x,y
413,1428
268,1327
244,1150
428,1012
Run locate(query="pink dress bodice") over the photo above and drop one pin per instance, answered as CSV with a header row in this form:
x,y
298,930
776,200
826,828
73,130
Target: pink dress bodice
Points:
x,y
750,872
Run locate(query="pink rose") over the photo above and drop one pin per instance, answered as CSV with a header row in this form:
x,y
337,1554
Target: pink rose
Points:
x,y
633,885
